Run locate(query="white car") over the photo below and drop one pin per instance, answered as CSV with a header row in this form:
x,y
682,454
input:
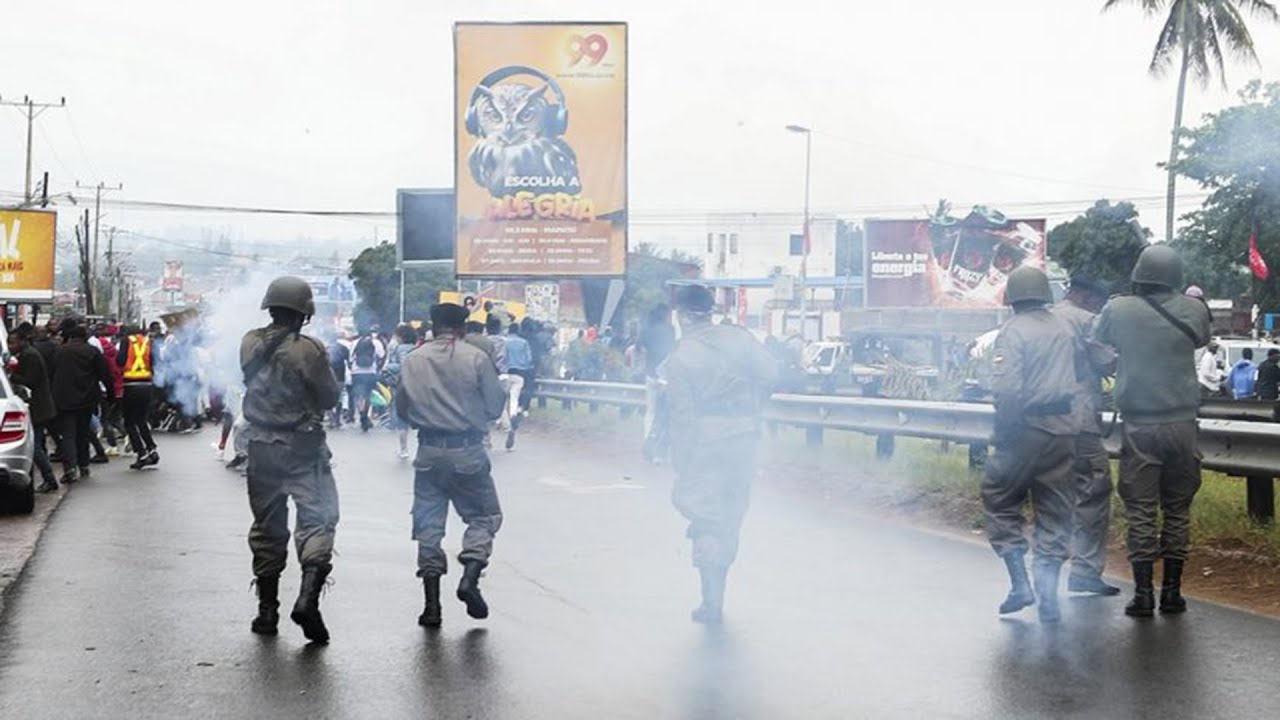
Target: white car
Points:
x,y
17,452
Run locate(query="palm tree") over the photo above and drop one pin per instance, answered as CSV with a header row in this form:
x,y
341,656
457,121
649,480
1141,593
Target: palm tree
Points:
x,y
1194,34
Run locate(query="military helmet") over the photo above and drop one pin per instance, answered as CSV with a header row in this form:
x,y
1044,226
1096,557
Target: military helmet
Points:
x,y
695,299
1158,265
290,292
1028,284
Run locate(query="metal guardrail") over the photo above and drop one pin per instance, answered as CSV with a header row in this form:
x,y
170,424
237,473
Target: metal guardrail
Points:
x,y
1235,447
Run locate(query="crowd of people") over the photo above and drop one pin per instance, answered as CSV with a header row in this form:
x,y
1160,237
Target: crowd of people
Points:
x,y
90,392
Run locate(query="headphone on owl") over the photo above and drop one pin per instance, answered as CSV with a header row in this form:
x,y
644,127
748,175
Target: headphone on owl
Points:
x,y
557,116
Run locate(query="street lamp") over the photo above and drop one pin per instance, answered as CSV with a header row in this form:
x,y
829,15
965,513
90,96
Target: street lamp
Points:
x,y
804,251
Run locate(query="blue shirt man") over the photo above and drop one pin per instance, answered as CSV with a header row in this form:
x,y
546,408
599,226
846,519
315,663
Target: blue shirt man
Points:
x,y
1243,375
519,353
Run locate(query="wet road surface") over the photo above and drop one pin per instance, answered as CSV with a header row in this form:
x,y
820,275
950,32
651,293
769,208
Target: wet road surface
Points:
x,y
137,605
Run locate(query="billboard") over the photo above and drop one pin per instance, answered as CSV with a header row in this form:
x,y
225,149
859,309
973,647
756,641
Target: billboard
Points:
x,y
173,277
424,225
27,251
948,263
540,149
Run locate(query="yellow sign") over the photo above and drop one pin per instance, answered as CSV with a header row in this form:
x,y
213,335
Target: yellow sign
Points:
x,y
27,251
476,304
540,165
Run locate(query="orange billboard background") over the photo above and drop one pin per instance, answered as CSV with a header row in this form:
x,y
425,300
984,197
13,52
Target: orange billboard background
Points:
x,y
540,157
27,253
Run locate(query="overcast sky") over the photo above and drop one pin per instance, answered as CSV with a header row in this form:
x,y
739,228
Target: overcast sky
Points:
x,y
326,104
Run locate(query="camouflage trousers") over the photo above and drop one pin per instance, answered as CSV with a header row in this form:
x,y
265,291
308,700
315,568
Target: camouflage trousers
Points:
x,y
1034,464
459,476
299,470
1159,475
712,490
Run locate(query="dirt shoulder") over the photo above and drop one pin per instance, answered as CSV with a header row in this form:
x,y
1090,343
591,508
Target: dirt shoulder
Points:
x,y
928,484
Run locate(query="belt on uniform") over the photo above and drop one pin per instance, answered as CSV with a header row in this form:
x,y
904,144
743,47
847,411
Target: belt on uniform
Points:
x,y
1058,407
449,440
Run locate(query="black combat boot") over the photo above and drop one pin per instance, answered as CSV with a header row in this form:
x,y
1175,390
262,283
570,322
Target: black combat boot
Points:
x,y
1020,593
1171,601
711,611
469,590
1143,603
430,617
1046,579
268,605
306,611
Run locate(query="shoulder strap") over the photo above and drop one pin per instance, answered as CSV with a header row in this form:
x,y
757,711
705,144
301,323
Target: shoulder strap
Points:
x,y
260,362
1182,327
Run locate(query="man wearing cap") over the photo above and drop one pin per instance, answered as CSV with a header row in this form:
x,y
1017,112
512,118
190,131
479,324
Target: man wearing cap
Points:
x,y
1033,380
1092,468
1156,332
288,389
714,381
449,392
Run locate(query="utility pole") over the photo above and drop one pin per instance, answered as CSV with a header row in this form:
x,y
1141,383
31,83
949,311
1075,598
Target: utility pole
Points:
x,y
32,110
97,217
804,253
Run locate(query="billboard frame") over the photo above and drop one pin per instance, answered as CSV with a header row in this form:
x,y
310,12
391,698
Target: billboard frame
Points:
x,y
400,261
626,151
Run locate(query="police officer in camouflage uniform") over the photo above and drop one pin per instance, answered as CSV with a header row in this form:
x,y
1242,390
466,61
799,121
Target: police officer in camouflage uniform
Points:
x,y
288,388
1033,380
449,392
1156,332
714,381
1092,467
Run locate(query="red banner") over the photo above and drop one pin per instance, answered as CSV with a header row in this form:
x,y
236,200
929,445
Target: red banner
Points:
x,y
1256,263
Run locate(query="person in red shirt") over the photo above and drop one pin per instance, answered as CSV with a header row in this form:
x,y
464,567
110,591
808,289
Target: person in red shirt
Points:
x,y
112,416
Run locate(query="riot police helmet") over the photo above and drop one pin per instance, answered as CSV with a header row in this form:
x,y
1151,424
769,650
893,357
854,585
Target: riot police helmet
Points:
x,y
1158,265
1028,284
292,293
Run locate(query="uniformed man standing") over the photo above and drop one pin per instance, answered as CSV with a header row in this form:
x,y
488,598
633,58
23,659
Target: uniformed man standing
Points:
x,y
288,389
1092,466
449,392
1156,332
714,381
1033,380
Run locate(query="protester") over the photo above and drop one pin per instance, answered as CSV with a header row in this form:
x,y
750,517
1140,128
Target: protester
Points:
x,y
1268,384
367,357
30,372
405,342
1209,371
137,357
1243,376
79,373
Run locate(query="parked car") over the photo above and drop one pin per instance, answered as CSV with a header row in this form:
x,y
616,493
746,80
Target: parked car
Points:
x,y
17,452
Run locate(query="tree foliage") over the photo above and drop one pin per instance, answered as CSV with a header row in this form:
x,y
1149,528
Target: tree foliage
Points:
x,y
1235,155
647,274
1102,244
377,280
1204,29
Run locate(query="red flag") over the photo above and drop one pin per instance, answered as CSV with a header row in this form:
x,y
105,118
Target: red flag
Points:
x,y
1256,263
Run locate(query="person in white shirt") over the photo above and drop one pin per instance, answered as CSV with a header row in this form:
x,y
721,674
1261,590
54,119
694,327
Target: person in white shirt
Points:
x,y
1208,372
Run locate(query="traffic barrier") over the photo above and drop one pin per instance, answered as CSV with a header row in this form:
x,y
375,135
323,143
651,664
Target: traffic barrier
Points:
x,y
1238,448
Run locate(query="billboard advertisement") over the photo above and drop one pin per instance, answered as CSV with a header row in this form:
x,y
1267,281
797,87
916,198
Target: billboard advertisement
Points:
x,y
424,225
173,278
950,262
27,252
540,155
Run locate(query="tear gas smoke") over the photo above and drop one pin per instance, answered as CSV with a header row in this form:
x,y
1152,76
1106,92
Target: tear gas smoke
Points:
x,y
204,356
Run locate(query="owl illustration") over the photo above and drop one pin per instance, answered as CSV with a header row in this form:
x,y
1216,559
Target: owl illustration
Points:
x,y
516,140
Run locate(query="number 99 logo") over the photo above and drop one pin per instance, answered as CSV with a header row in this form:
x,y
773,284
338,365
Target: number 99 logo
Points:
x,y
592,48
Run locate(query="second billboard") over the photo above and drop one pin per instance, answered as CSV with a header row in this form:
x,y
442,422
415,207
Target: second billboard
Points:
x,y
540,149
957,263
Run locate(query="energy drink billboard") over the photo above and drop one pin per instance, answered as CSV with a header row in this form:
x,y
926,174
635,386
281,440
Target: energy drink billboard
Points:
x,y
540,155
948,262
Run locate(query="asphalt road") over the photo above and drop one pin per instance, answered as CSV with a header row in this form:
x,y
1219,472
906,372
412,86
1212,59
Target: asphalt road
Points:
x,y
137,605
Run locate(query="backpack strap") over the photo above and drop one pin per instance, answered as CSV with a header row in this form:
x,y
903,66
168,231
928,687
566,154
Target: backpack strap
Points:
x,y
1184,328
